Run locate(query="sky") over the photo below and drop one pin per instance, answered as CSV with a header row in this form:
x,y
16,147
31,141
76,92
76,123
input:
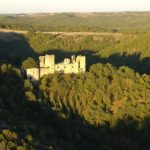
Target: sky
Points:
x,y
33,6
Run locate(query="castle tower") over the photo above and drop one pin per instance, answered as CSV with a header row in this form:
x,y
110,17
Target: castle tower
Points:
x,y
49,60
47,64
81,60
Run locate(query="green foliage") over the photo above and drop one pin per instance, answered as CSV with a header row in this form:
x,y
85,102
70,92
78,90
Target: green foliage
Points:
x,y
75,111
119,50
28,85
78,22
107,107
29,63
100,95
8,140
103,45
30,96
29,91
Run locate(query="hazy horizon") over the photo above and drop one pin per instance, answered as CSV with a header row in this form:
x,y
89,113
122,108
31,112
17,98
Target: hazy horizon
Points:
x,y
74,12
76,6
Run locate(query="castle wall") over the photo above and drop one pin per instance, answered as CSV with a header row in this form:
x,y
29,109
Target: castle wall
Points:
x,y
33,74
48,70
43,71
47,66
67,68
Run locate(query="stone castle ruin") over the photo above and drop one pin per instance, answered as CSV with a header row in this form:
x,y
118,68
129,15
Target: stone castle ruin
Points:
x,y
47,66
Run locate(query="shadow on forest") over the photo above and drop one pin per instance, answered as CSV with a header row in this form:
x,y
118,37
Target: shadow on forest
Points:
x,y
51,128
75,133
14,48
133,61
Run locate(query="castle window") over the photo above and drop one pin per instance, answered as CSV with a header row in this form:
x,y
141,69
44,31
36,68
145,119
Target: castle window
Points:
x,y
30,78
65,67
72,67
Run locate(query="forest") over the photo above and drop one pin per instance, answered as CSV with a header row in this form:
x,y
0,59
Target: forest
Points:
x,y
128,22
106,108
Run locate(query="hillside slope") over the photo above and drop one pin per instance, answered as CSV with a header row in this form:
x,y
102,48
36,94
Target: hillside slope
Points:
x,y
95,22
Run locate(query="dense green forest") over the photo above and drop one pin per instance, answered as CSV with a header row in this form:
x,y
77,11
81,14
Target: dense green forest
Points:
x,y
95,22
81,111
132,50
106,108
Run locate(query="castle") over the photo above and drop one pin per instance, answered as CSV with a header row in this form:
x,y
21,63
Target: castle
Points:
x,y
47,66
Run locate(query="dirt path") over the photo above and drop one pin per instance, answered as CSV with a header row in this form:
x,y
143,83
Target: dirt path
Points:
x,y
13,31
83,33
63,33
